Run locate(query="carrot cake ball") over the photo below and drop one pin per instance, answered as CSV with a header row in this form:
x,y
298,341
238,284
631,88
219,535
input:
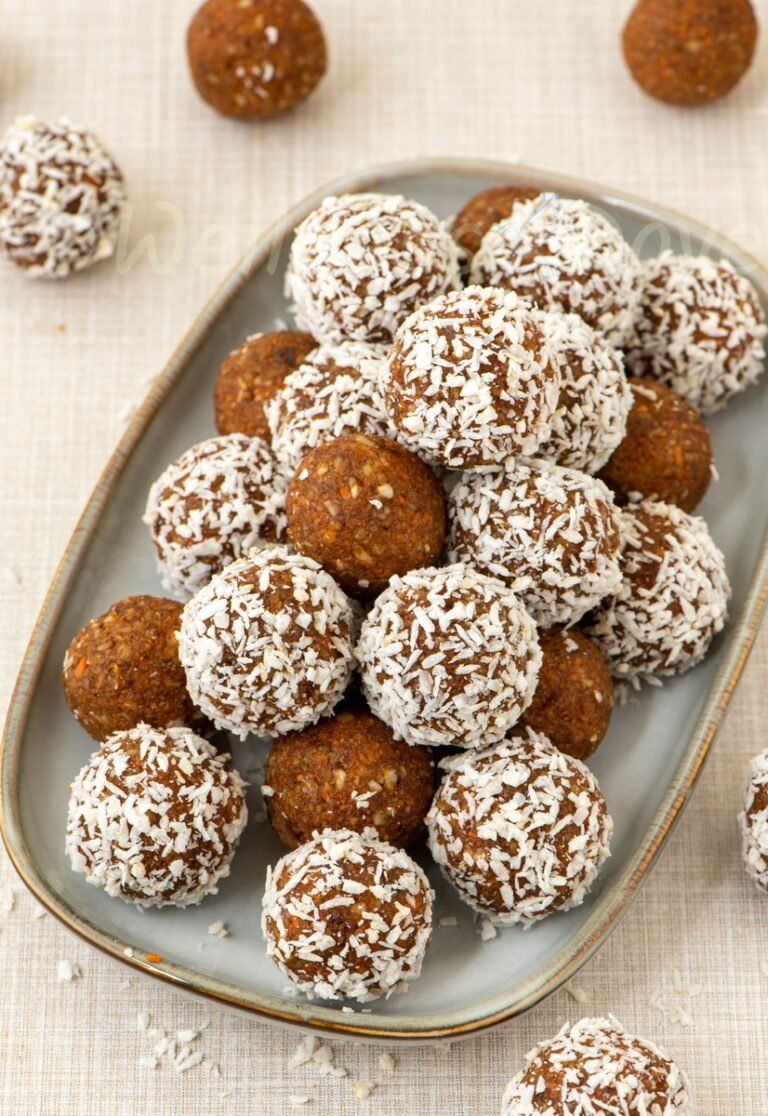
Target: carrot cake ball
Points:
x,y
595,399
347,916
267,644
484,210
155,817
337,390
573,701
123,668
519,829
61,198
254,59
553,535
471,379
366,509
672,600
700,330
754,822
666,452
252,375
563,255
361,263
212,505
597,1067
348,772
448,657
689,52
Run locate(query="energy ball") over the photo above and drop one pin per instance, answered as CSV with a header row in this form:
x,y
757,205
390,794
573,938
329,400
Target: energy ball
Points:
x,y
689,52
754,822
448,657
484,210
347,916
597,1067
336,391
123,668
553,535
61,198
348,772
672,600
471,380
366,509
267,644
519,829
700,330
666,452
595,400
155,817
361,263
254,59
213,504
562,254
573,701
252,375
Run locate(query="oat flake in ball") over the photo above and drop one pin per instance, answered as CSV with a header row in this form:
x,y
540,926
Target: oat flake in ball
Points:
x,y
448,657
252,375
519,829
347,916
753,822
155,817
267,644
361,263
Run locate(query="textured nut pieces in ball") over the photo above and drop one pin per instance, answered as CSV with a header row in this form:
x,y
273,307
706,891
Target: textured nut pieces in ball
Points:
x,y
366,509
563,255
665,454
254,59
689,52
672,600
484,210
348,772
553,535
448,657
213,504
123,669
519,829
155,817
347,916
61,198
267,644
361,263
597,1067
252,375
753,822
471,380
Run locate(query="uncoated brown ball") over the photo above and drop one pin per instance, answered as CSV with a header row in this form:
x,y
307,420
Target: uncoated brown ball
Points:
x,y
252,59
573,701
666,452
366,509
689,52
348,772
123,669
252,375
486,209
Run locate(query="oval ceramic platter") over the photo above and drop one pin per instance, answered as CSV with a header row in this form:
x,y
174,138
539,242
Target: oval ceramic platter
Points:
x,y
647,766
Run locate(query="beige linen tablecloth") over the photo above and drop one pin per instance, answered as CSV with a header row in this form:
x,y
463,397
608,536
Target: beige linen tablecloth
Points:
x,y
538,80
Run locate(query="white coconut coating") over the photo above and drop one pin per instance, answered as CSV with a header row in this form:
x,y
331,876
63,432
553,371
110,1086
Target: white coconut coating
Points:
x,y
700,329
213,504
347,916
448,657
155,817
267,644
753,821
595,399
563,255
596,1068
673,597
361,263
553,535
519,829
61,198
337,390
